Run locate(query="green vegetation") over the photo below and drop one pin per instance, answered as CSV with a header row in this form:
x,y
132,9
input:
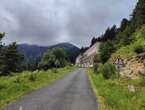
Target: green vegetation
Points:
x,y
106,49
124,39
108,71
139,49
56,57
137,46
16,85
10,59
96,62
114,94
127,41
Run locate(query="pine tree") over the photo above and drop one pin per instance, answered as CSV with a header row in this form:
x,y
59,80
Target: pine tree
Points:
x,y
124,24
1,37
138,16
93,41
110,33
2,64
106,49
13,58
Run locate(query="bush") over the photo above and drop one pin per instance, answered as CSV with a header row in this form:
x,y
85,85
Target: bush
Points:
x,y
17,80
32,77
96,63
142,80
54,70
95,67
2,86
139,49
56,57
106,49
108,71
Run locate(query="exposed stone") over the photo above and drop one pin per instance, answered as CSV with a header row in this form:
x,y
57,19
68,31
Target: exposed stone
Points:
x,y
134,66
131,88
87,58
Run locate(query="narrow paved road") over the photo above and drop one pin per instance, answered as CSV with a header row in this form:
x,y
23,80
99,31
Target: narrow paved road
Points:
x,y
72,92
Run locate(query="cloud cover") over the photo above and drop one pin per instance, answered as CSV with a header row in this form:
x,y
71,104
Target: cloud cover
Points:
x,y
47,22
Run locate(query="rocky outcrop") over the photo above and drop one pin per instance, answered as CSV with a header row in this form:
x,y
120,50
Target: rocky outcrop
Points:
x,y
87,58
134,67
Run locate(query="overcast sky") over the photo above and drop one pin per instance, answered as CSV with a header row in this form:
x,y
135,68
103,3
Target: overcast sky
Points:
x,y
47,22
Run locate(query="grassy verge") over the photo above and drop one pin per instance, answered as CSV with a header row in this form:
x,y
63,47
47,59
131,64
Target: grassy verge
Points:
x,y
100,99
12,87
114,94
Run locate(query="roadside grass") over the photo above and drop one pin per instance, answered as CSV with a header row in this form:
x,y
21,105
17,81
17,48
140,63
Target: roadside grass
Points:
x,y
18,84
114,94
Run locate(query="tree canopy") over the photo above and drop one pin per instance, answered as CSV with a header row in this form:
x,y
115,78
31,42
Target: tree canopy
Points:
x,y
10,58
56,57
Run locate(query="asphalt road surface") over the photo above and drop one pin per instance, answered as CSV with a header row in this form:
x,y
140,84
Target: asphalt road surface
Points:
x,y
72,92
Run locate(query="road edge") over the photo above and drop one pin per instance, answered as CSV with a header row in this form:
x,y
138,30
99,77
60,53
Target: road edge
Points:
x,y
100,100
36,89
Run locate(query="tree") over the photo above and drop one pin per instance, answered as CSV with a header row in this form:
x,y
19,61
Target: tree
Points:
x,y
124,24
138,15
96,63
110,33
12,58
93,41
106,49
2,62
71,56
1,37
83,49
56,57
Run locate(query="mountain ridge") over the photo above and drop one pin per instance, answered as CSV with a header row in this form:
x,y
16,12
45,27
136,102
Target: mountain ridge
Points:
x,y
33,52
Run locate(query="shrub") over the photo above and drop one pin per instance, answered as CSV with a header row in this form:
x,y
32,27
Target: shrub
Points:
x,y
139,49
17,80
142,80
108,71
54,70
56,57
32,77
2,86
106,49
95,67
96,63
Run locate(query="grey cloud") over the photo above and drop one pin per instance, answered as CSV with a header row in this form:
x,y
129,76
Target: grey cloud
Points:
x,y
46,22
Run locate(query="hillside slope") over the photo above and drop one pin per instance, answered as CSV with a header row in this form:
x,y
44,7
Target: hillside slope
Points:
x,y
34,52
133,55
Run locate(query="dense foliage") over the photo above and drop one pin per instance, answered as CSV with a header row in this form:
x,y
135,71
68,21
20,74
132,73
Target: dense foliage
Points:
x,y
108,71
106,49
115,38
56,57
33,53
139,49
10,59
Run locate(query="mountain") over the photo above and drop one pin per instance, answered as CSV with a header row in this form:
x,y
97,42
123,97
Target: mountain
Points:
x,y
35,52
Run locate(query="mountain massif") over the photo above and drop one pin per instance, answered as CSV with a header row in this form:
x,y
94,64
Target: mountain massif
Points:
x,y
35,52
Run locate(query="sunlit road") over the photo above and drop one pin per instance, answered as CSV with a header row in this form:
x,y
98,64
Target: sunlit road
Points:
x,y
72,92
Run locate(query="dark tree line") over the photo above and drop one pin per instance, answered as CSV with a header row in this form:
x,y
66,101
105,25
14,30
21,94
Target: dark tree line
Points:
x,y
114,37
12,61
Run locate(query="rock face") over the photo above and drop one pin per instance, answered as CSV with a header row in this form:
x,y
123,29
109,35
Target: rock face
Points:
x,y
87,58
134,67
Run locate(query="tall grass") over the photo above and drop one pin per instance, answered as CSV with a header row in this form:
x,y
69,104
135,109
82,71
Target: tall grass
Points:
x,y
116,95
12,87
